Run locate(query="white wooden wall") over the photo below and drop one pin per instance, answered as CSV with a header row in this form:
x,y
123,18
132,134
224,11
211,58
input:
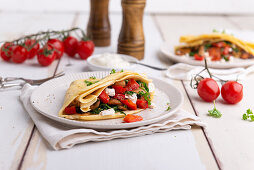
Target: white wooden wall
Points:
x,y
153,6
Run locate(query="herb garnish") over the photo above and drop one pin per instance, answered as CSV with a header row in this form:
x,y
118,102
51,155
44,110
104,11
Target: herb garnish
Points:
x,y
144,85
214,112
92,77
121,70
207,46
248,114
89,83
113,71
192,53
168,107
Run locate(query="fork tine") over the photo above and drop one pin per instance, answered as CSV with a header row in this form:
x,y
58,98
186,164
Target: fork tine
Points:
x,y
38,82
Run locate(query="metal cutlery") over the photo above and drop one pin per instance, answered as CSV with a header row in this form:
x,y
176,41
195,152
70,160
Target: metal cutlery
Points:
x,y
146,65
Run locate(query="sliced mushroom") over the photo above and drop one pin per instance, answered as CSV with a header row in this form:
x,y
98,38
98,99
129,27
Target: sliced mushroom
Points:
x,y
138,90
245,56
121,83
122,108
95,105
114,102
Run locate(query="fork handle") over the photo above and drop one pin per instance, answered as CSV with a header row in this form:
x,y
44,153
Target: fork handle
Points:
x,y
7,79
9,85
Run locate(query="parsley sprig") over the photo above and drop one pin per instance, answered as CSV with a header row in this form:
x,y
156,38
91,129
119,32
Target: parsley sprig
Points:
x,y
92,77
168,107
214,112
248,115
113,71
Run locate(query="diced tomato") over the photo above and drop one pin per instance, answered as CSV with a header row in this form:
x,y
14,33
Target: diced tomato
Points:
x,y
198,57
129,104
104,97
219,44
226,50
142,104
119,89
132,118
214,52
70,110
119,97
132,85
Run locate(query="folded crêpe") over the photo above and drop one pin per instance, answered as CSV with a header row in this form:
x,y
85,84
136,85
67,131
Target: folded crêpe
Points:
x,y
191,41
84,96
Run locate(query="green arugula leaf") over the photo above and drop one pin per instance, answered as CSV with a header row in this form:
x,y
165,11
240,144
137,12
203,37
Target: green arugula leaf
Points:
x,y
168,108
129,92
143,85
146,96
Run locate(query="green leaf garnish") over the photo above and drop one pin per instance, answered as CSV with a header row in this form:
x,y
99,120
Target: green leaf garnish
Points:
x,y
113,71
214,112
192,53
121,70
92,77
146,96
89,83
214,30
207,46
168,108
143,85
248,115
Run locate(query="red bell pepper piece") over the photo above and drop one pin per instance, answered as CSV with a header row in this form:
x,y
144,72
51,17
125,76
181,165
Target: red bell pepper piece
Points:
x,y
104,97
132,118
119,89
142,104
70,110
132,85
119,97
198,57
129,104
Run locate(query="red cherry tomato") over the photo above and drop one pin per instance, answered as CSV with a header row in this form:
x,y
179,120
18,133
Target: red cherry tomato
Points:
x,y
132,85
232,92
58,46
119,89
6,51
19,54
46,55
119,97
219,44
208,89
70,46
198,57
215,53
32,47
70,110
85,49
129,104
104,97
142,104
132,118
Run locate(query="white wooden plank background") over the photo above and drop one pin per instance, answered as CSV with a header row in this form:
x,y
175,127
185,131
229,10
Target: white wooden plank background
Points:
x,y
152,6
230,137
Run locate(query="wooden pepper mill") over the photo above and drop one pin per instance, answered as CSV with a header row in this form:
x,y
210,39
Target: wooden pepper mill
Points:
x,y
131,40
98,28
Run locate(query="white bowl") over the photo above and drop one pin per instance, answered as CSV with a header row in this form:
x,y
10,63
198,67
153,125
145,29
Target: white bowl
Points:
x,y
96,67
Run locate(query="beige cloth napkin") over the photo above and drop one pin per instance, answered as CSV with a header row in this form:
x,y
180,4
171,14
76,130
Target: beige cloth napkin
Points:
x,y
61,136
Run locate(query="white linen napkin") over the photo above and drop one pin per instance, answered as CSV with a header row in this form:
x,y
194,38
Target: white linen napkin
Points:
x,y
181,71
61,136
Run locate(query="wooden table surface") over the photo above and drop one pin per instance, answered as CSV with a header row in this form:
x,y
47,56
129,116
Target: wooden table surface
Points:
x,y
226,143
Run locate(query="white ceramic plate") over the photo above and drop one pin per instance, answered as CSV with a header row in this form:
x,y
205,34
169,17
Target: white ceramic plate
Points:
x,y
247,35
168,51
95,67
48,99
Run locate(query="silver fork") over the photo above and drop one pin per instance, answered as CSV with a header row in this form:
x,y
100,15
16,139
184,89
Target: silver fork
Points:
x,y
4,81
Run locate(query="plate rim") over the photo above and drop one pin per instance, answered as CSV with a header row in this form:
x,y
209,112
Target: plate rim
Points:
x,y
77,123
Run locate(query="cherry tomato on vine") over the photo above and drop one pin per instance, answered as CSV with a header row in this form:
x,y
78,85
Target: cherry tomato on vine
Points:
x,y
46,55
232,92
32,47
70,45
19,54
208,89
6,51
85,49
58,46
